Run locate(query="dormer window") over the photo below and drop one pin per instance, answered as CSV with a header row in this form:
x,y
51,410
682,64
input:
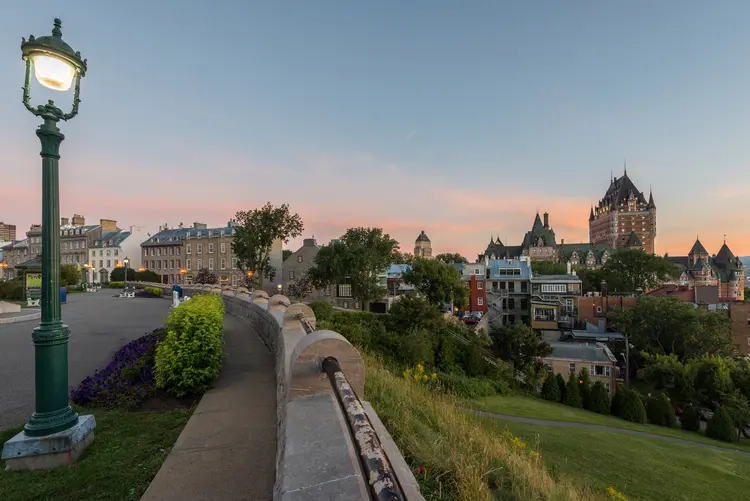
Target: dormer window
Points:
x,y
199,234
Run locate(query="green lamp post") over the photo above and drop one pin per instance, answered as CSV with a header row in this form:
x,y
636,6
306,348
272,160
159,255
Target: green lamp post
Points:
x,y
56,65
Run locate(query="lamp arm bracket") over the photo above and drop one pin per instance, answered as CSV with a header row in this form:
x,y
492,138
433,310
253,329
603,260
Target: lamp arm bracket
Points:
x,y
76,99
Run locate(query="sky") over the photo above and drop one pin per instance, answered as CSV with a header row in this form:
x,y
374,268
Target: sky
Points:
x,y
458,118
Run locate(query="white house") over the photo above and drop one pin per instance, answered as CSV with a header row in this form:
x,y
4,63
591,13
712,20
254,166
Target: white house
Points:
x,y
108,253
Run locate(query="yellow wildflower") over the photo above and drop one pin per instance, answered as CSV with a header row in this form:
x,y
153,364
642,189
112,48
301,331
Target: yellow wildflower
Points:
x,y
420,368
535,455
434,376
424,377
615,495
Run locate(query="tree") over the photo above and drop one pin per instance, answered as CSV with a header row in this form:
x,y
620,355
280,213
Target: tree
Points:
x,y
205,277
548,268
561,384
631,407
439,282
147,276
519,345
255,234
660,411
584,386
402,257
451,257
358,258
599,399
301,288
591,279
666,325
573,392
721,426
628,270
118,275
666,373
69,275
285,254
689,418
550,390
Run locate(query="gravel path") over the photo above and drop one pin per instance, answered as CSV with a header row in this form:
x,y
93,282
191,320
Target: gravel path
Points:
x,y
567,424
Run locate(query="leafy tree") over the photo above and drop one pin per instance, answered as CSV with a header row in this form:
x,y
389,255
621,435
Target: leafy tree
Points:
x,y
357,258
118,275
301,288
712,377
451,257
721,426
591,279
666,373
561,385
631,407
666,325
255,234
402,257
550,390
660,411
69,275
584,386
628,270
519,345
439,282
414,312
205,277
285,254
548,268
573,392
599,399
689,419
147,276
617,400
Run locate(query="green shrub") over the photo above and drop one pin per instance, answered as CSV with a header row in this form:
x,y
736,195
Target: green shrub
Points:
x,y
153,291
466,387
116,285
561,384
572,392
689,419
11,290
416,347
599,399
322,309
190,356
584,387
550,389
660,411
631,406
721,426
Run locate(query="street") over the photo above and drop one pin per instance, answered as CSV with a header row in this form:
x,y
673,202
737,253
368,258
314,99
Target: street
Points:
x,y
99,323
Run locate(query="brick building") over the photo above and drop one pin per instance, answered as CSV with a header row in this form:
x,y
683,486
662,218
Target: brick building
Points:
x,y
7,232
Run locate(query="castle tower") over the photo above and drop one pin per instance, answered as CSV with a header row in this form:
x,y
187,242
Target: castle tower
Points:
x,y
423,246
623,210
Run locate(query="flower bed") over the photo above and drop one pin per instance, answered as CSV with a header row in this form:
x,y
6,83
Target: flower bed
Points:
x,y
127,381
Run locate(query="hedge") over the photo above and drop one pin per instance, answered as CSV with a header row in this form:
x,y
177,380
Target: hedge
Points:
x,y
191,354
689,419
660,411
721,426
153,291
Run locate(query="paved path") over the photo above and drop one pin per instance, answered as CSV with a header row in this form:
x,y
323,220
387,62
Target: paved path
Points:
x,y
568,424
99,325
228,447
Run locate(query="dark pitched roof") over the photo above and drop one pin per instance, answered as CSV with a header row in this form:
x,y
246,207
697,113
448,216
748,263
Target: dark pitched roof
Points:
x,y
697,248
633,240
422,237
591,216
725,255
620,189
651,199
565,251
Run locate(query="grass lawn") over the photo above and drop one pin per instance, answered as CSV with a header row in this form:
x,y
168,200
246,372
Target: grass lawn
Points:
x,y
532,407
126,454
639,467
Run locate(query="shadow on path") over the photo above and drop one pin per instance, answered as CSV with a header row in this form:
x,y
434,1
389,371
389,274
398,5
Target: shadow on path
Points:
x,y
568,424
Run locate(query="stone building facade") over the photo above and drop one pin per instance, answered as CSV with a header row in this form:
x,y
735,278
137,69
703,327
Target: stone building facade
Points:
x,y
7,232
723,270
422,246
297,264
623,210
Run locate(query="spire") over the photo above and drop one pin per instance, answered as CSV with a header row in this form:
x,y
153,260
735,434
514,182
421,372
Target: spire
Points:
x,y
651,197
625,167
591,215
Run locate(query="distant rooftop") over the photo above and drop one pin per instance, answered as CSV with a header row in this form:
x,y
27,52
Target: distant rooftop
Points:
x,y
585,352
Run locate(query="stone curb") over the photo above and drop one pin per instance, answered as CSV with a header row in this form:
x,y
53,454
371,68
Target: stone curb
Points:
x,y
24,318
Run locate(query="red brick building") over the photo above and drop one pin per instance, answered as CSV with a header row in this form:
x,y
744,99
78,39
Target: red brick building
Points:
x,y
475,288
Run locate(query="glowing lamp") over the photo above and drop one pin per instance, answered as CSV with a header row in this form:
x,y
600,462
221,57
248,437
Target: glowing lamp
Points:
x,y
53,73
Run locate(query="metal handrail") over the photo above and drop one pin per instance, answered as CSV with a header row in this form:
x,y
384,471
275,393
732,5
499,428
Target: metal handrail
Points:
x,y
377,469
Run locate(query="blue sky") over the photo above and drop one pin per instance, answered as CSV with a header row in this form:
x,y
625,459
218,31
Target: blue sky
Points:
x,y
460,118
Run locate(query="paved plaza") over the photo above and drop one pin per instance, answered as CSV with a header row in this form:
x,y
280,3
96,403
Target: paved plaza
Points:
x,y
99,323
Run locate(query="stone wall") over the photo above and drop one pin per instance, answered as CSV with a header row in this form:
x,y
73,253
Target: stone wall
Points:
x,y
316,456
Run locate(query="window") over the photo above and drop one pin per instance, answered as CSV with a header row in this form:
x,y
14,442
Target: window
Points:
x,y
177,251
101,253
153,252
748,322
234,263
345,290
164,264
223,263
199,248
200,263
554,288
210,248
210,263
511,304
152,265
524,304
223,245
598,309
187,248
299,259
171,263
476,271
188,264
109,263
571,368
158,251
77,244
480,301
480,285
234,280
199,234
291,275
171,251
93,253
544,314
101,263
511,319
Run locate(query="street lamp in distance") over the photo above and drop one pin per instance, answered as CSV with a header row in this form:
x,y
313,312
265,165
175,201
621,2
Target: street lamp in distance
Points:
x,y
55,435
126,262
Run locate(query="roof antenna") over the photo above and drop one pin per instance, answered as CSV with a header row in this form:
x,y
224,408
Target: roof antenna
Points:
x,y
725,238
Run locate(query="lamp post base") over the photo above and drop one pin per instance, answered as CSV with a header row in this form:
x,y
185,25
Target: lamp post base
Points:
x,y
24,452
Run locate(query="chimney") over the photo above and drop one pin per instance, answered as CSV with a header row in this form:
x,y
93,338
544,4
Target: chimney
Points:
x,y
79,220
108,224
546,220
64,221
180,225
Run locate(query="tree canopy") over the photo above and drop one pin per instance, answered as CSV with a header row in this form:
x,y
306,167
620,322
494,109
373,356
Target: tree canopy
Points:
x,y
205,277
357,258
255,234
301,288
547,268
402,257
118,275
451,257
628,270
437,281
519,345
666,326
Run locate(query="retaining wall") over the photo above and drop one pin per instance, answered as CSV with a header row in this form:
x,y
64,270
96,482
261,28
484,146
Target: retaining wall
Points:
x,y
316,457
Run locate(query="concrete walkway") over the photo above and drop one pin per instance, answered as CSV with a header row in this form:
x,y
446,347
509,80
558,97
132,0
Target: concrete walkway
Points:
x,y
598,427
228,447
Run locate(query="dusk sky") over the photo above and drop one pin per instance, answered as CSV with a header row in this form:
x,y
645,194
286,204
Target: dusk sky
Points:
x,y
459,118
